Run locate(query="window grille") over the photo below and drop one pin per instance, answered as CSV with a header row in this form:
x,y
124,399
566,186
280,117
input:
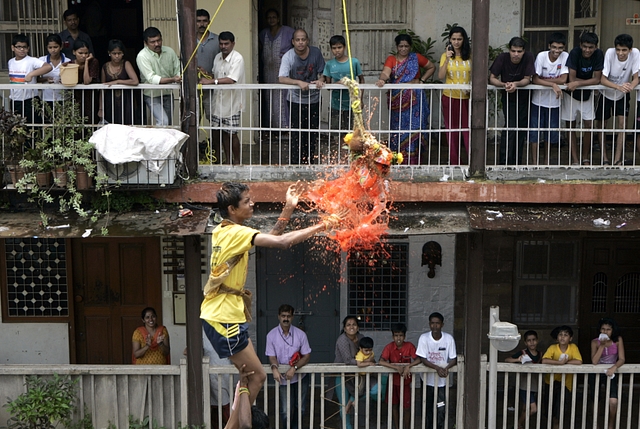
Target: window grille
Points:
x,y
378,281
546,282
599,294
36,277
628,294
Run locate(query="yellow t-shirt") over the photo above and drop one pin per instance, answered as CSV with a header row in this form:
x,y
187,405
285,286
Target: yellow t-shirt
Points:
x,y
361,357
554,352
228,240
458,73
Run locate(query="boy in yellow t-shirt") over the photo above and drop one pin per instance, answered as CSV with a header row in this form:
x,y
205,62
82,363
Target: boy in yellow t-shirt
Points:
x,y
562,353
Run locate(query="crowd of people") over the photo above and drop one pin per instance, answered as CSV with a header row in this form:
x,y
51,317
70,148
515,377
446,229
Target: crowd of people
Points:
x,y
287,57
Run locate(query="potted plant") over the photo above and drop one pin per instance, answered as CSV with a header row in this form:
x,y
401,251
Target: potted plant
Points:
x,y
64,149
15,135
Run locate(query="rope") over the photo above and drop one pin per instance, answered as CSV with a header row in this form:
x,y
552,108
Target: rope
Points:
x,y
193,54
346,28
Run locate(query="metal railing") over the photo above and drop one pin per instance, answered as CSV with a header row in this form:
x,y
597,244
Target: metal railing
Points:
x,y
144,105
579,403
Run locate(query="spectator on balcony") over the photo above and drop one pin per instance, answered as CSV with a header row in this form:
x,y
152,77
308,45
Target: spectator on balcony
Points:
x,y
620,72
455,69
288,345
585,64
513,70
150,343
275,41
228,69
335,69
608,349
562,353
301,66
527,355
24,69
56,58
88,73
227,305
437,350
400,355
158,65
409,108
551,71
208,48
117,105
347,346
73,33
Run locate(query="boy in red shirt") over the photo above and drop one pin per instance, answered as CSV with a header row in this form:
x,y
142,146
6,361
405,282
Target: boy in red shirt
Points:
x,y
400,356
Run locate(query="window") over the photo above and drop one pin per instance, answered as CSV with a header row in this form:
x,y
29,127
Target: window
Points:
x,y
543,17
36,278
628,294
546,282
378,281
35,18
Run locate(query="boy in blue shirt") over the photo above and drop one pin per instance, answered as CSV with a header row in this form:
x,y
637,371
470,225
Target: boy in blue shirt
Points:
x,y
334,70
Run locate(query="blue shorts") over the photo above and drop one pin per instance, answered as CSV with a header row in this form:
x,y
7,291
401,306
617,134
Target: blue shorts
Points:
x,y
533,396
544,117
235,339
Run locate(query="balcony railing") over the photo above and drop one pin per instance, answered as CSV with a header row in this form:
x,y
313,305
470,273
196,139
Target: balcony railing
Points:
x,y
112,393
100,105
269,141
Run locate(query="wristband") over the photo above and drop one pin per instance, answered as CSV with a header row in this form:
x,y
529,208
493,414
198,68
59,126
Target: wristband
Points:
x,y
243,390
273,365
284,219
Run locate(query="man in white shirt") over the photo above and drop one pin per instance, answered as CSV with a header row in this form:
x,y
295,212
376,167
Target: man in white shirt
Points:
x,y
551,71
620,73
437,350
228,103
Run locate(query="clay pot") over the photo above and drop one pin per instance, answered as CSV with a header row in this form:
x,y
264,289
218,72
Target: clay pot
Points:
x,y
16,173
43,179
83,181
60,176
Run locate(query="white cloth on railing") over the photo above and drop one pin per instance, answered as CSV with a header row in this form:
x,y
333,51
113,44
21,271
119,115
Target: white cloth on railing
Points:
x,y
120,144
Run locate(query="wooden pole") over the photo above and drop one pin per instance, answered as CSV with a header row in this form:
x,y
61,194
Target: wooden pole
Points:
x,y
479,79
187,30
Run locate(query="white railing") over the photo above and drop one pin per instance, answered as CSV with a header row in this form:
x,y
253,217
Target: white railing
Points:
x,y
101,104
111,393
580,407
325,409
575,144
277,133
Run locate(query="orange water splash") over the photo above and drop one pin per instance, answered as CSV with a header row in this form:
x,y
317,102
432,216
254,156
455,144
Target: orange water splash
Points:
x,y
363,189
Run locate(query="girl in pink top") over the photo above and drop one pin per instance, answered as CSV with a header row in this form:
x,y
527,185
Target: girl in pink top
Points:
x,y
608,349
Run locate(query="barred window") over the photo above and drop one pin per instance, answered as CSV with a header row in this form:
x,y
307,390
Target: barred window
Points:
x,y
378,281
36,278
546,282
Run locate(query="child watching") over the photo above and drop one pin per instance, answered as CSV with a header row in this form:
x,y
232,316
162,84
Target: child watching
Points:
x,y
24,69
365,357
56,58
551,71
334,70
400,355
527,355
620,73
562,353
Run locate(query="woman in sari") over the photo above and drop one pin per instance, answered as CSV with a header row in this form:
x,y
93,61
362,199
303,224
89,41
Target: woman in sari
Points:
x,y
150,343
408,108
275,41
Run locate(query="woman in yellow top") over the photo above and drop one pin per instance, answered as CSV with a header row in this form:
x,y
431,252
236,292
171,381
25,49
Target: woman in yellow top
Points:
x,y
455,68
150,343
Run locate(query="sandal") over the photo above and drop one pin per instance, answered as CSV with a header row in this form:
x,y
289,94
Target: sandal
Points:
x,y
586,162
618,162
606,162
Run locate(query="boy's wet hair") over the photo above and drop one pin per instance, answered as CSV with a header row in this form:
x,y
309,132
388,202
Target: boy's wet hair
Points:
x,y
529,333
20,38
557,37
623,40
589,38
337,40
366,343
563,328
229,194
438,315
399,327
259,419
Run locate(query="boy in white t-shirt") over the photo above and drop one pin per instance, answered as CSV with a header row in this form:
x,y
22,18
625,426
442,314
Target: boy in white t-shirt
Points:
x,y
620,72
437,350
24,69
551,71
